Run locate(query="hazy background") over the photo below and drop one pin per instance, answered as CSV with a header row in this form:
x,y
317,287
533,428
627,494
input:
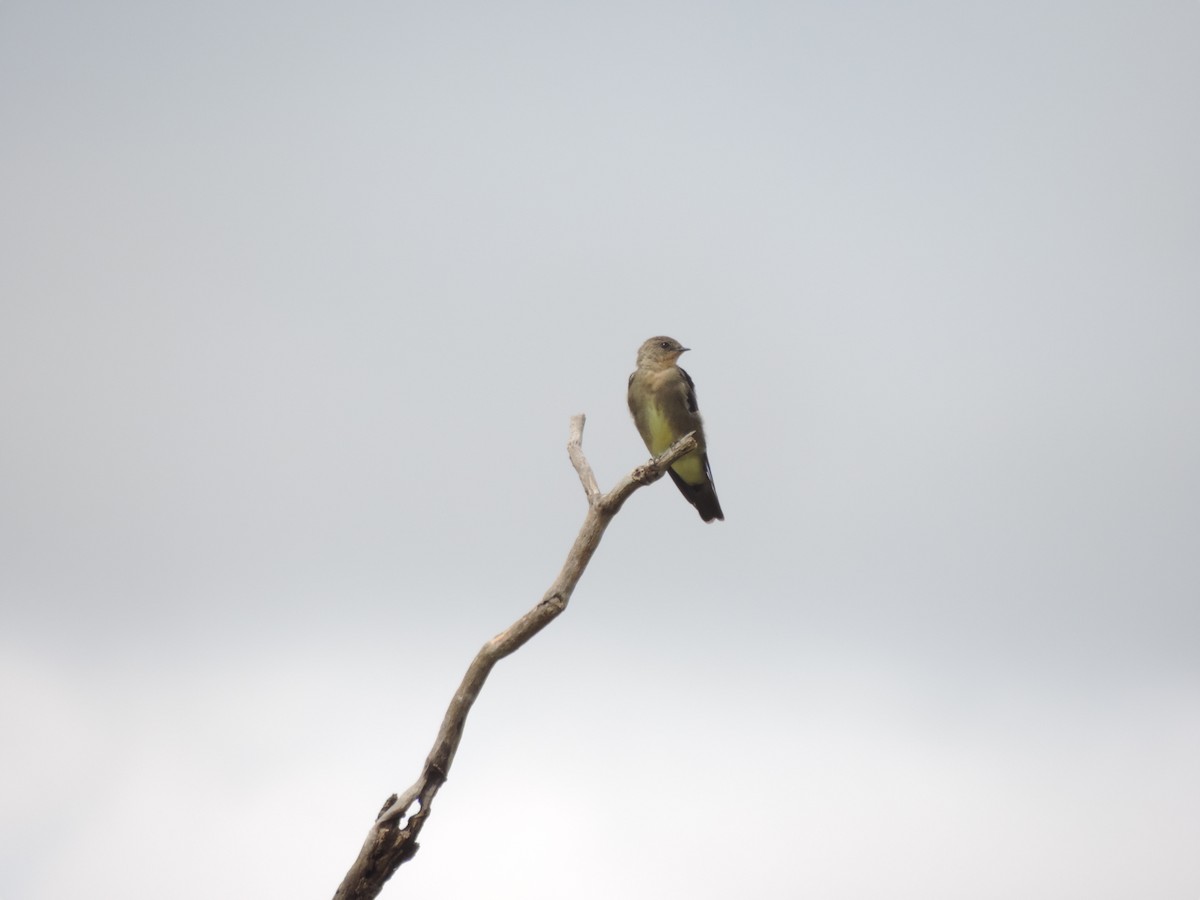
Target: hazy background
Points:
x,y
297,299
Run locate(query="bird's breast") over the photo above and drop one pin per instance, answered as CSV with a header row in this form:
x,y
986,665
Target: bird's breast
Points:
x,y
662,436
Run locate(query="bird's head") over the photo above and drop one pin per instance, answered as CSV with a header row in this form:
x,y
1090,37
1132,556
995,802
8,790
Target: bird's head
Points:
x,y
659,352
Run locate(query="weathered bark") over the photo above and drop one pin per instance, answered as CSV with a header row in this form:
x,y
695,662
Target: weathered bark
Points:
x,y
392,839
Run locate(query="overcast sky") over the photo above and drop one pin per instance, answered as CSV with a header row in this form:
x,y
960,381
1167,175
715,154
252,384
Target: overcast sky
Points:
x,y
296,302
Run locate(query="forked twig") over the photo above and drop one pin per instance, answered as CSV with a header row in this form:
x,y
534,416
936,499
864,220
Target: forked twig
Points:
x,y
392,839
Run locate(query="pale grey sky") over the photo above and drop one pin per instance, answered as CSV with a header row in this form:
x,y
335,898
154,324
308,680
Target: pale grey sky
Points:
x,y
295,305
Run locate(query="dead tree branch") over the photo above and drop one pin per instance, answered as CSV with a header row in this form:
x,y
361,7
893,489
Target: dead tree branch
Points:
x,y
392,839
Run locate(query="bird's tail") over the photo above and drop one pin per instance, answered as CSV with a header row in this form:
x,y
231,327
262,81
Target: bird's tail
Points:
x,y
703,496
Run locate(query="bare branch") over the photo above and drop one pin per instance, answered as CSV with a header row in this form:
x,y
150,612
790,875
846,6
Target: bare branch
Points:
x,y
392,840
579,461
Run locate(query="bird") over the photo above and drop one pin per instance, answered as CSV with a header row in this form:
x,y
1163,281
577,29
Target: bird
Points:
x,y
662,400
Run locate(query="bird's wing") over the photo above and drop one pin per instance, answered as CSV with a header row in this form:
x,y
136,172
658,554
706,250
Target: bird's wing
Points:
x,y
691,390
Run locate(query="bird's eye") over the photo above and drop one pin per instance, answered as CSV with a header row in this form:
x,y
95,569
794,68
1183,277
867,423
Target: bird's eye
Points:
x,y
666,345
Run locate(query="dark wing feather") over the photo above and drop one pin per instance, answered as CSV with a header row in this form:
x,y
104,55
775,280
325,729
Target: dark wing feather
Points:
x,y
691,390
702,496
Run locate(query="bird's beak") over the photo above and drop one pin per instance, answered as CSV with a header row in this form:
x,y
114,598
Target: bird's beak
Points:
x,y
685,349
